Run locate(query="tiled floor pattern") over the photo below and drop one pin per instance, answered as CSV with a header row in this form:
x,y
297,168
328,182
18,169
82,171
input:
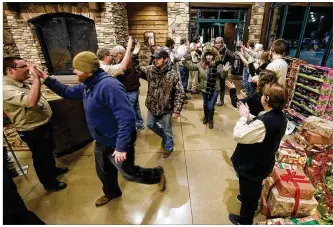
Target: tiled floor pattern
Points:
x,y
201,183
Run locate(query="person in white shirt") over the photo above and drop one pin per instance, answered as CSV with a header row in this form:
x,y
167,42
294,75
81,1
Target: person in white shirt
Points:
x,y
278,65
258,141
181,52
193,75
106,59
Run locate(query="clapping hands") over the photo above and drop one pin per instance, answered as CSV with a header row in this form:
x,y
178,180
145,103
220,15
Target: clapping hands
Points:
x,y
243,109
229,84
226,66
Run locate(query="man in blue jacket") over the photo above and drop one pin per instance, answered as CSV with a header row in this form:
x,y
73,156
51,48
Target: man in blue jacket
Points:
x,y
111,121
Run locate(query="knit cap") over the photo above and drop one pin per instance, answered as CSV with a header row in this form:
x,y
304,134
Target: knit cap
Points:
x,y
86,62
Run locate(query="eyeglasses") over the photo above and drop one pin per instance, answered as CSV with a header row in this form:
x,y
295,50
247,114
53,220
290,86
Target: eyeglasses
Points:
x,y
19,67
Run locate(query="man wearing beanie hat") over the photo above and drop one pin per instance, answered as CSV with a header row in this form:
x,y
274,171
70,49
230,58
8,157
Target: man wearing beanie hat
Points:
x,y
111,122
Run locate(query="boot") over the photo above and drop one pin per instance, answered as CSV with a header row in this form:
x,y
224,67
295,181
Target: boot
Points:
x,y
210,118
221,102
205,119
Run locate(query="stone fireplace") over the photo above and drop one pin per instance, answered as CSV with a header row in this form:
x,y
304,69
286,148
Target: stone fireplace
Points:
x,y
68,28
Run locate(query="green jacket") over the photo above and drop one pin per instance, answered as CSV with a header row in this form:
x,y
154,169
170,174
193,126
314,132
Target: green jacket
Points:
x,y
203,73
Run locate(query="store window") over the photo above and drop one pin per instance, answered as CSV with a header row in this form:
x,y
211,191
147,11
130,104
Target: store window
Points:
x,y
274,26
208,14
330,59
228,14
293,26
316,36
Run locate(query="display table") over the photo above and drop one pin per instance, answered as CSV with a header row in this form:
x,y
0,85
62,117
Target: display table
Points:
x,y
69,126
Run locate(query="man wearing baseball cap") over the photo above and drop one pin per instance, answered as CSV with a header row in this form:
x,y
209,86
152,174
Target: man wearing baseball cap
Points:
x,y
111,122
165,98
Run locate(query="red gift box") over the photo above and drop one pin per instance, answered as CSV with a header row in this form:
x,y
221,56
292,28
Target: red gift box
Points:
x,y
294,184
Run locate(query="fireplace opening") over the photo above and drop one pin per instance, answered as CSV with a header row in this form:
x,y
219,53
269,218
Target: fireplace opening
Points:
x,y
62,36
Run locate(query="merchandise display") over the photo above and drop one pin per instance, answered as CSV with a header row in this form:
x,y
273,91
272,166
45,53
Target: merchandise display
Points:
x,y
293,69
311,94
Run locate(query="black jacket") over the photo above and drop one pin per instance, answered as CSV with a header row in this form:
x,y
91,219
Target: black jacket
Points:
x,y
257,71
256,161
253,101
130,78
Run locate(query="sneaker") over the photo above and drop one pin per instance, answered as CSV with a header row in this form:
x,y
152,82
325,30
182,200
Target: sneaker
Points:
x,y
104,200
162,183
239,198
235,219
60,171
220,103
140,129
59,186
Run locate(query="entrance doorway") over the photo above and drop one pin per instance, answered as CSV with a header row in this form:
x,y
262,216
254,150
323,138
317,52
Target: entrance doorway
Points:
x,y
211,23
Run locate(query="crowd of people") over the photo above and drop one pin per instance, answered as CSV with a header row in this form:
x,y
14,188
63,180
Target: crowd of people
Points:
x,y
109,83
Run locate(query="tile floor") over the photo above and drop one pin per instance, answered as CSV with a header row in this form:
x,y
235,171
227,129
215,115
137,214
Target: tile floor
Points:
x,y
201,183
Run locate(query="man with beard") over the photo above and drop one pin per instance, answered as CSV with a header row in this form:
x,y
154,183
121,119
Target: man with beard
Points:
x,y
30,114
111,122
165,97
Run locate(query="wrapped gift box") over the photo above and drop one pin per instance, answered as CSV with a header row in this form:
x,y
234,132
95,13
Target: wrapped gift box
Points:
x,y
280,165
288,182
318,125
311,220
290,156
314,138
280,206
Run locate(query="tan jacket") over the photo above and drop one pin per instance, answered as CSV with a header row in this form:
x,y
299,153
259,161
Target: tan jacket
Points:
x,y
15,105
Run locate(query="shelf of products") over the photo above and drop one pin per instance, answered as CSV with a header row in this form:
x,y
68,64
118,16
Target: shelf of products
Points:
x,y
311,94
293,70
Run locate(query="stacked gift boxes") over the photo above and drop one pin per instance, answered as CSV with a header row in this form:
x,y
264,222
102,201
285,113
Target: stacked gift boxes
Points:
x,y
288,193
301,182
312,93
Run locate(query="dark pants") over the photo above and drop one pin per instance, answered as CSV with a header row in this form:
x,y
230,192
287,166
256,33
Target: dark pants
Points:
x,y
222,89
184,77
40,143
107,170
15,211
250,192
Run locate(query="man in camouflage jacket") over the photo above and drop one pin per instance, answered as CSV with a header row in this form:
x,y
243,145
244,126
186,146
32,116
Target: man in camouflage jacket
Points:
x,y
165,97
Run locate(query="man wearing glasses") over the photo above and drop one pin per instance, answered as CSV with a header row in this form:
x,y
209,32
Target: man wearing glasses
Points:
x,y
30,114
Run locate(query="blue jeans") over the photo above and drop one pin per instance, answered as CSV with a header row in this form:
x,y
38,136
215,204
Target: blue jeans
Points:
x,y
184,77
134,100
209,101
165,132
245,82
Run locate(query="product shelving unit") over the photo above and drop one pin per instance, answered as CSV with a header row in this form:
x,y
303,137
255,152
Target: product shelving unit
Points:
x,y
293,70
312,93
